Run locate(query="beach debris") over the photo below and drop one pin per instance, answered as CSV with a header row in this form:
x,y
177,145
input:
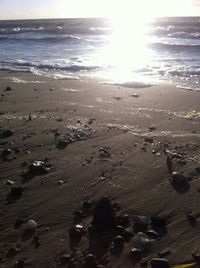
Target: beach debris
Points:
x,y
104,152
104,217
90,261
31,225
178,178
169,163
159,263
7,133
76,231
38,168
8,88
140,223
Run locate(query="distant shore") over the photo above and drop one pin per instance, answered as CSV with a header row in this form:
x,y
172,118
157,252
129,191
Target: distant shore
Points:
x,y
96,140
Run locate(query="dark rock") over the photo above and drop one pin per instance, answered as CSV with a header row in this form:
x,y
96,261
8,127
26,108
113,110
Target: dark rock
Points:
x,y
62,143
178,178
159,263
7,133
123,220
103,152
90,261
149,140
36,241
91,120
136,253
38,168
87,205
140,223
103,215
8,88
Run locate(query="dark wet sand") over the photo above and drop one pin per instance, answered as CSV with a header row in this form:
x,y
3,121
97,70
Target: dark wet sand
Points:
x,y
134,176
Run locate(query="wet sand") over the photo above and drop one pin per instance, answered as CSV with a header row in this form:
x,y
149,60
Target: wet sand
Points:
x,y
118,142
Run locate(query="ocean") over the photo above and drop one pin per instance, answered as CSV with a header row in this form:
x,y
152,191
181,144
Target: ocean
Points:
x,y
164,50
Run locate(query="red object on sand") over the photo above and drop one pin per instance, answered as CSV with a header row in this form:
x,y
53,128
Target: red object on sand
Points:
x,y
169,163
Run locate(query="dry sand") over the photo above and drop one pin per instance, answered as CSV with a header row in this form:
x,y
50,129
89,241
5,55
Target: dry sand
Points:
x,y
135,126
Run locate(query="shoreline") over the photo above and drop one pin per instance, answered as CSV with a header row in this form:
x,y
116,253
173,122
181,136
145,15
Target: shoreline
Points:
x,y
136,126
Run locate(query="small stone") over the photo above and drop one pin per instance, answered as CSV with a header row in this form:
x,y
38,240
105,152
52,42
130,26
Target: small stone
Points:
x,y
152,234
135,95
90,261
7,151
52,89
159,263
10,182
152,128
149,140
31,225
164,253
60,182
62,143
8,88
38,167
76,231
136,252
119,229
178,178
103,152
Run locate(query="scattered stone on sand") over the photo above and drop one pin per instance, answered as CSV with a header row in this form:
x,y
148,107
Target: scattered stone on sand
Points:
x,y
159,263
104,217
7,133
31,225
8,88
178,178
38,168
104,152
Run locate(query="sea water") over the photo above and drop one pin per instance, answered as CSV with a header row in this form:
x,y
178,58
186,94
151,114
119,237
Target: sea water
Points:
x,y
162,50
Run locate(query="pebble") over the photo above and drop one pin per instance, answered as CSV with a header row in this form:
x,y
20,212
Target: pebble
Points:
x,y
103,152
38,167
10,182
149,140
8,88
60,182
136,252
123,220
31,225
118,241
76,231
7,133
140,223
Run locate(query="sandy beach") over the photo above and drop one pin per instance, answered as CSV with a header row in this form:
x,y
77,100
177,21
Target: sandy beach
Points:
x,y
96,140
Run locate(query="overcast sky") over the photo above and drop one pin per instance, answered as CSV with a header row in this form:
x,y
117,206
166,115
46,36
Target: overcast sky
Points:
x,y
28,9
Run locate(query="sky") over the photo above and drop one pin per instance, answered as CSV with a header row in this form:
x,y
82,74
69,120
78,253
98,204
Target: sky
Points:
x,y
30,9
